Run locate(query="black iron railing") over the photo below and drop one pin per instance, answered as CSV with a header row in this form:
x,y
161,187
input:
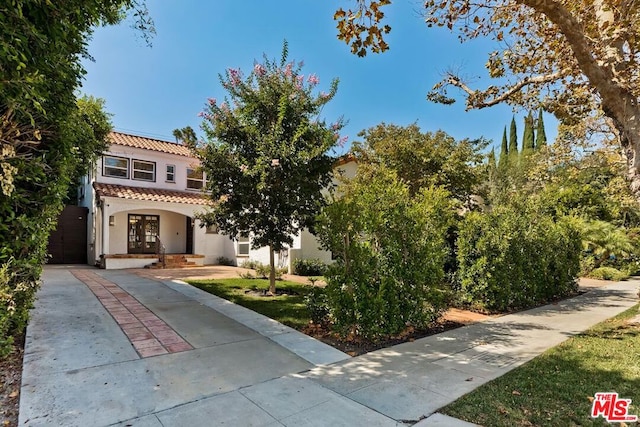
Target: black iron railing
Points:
x,y
161,251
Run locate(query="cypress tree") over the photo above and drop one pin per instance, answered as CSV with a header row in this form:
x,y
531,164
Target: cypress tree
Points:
x,y
492,158
504,152
528,137
513,142
541,136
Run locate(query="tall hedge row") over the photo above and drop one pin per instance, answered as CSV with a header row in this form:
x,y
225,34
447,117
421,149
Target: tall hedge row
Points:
x,y
513,258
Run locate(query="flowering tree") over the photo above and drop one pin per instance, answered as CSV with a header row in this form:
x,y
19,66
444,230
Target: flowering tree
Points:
x,y
266,159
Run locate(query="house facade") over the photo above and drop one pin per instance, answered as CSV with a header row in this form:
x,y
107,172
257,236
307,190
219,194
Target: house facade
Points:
x,y
143,196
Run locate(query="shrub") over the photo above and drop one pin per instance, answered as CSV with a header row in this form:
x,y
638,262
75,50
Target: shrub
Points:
x,y
317,304
250,264
225,261
390,250
516,257
607,273
309,267
262,270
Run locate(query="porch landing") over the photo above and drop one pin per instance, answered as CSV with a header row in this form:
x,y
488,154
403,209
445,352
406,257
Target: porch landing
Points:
x,y
122,261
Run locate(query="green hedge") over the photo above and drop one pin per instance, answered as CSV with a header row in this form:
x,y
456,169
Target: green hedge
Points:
x,y
390,251
309,267
512,258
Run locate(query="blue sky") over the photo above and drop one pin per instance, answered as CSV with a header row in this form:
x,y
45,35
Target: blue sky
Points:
x,y
152,91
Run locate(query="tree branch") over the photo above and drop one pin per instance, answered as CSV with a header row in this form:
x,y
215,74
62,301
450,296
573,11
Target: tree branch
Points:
x,y
477,98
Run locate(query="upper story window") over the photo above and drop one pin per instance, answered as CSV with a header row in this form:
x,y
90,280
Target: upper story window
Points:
x,y
116,167
195,179
143,170
171,173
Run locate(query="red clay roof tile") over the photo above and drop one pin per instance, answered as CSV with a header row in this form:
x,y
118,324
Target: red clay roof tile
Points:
x,y
149,194
127,140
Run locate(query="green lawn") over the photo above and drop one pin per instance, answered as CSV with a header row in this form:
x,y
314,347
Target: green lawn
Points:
x,y
288,309
554,388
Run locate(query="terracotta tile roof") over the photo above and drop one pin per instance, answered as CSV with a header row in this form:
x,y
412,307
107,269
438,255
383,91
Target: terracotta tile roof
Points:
x,y
149,144
150,194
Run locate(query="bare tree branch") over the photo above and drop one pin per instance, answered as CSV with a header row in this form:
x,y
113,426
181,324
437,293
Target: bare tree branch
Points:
x,y
478,99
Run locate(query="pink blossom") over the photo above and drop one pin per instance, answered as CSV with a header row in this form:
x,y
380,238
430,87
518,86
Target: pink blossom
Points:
x,y
288,69
212,101
343,140
234,75
201,114
313,79
299,81
259,69
335,126
275,162
324,95
244,168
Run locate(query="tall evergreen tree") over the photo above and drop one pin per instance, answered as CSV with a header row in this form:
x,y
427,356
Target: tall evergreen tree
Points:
x,y
504,152
513,142
528,136
541,136
491,163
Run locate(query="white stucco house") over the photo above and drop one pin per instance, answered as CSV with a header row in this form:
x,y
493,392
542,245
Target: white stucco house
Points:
x,y
143,194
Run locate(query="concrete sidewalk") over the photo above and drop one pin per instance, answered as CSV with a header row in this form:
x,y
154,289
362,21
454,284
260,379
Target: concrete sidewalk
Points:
x,y
110,347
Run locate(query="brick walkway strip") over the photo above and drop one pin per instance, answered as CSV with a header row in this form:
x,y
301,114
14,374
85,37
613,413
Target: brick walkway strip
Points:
x,y
148,334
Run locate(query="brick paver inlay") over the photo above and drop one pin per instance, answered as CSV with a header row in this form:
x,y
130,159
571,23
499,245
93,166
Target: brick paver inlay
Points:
x,y
149,334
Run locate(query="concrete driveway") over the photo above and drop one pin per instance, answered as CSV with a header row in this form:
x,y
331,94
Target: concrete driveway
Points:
x,y
105,347
115,348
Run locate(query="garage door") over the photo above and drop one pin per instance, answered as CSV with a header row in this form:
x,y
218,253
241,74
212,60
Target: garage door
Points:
x,y
68,243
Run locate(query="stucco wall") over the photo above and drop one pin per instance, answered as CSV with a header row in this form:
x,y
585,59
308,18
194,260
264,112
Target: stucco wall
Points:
x,y
311,248
161,160
172,230
212,246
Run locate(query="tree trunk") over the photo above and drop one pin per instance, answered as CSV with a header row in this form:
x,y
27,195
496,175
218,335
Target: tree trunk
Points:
x,y
272,271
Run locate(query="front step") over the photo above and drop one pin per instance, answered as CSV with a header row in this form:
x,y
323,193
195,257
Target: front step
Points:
x,y
172,261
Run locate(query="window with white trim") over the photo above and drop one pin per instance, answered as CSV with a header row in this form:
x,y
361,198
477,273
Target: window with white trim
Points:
x,y
171,173
243,245
195,179
144,170
115,167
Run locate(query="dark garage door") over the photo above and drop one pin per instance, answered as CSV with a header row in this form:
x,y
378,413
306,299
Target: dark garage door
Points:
x,y
68,243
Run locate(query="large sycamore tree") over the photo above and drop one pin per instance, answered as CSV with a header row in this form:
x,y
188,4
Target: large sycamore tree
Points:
x,y
575,58
267,157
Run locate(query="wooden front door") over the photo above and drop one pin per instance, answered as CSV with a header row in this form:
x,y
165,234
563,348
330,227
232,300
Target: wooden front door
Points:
x,y
143,233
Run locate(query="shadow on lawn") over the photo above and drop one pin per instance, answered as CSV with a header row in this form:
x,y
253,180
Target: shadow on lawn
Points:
x,y
557,388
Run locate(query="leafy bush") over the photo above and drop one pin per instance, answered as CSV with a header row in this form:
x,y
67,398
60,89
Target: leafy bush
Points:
x,y
390,251
262,270
225,261
516,257
265,270
309,267
250,264
317,304
607,273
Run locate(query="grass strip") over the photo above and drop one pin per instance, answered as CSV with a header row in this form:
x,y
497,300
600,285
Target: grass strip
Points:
x,y
288,308
556,388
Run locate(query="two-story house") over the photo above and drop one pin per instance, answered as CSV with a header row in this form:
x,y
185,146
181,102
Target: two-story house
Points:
x,y
143,195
